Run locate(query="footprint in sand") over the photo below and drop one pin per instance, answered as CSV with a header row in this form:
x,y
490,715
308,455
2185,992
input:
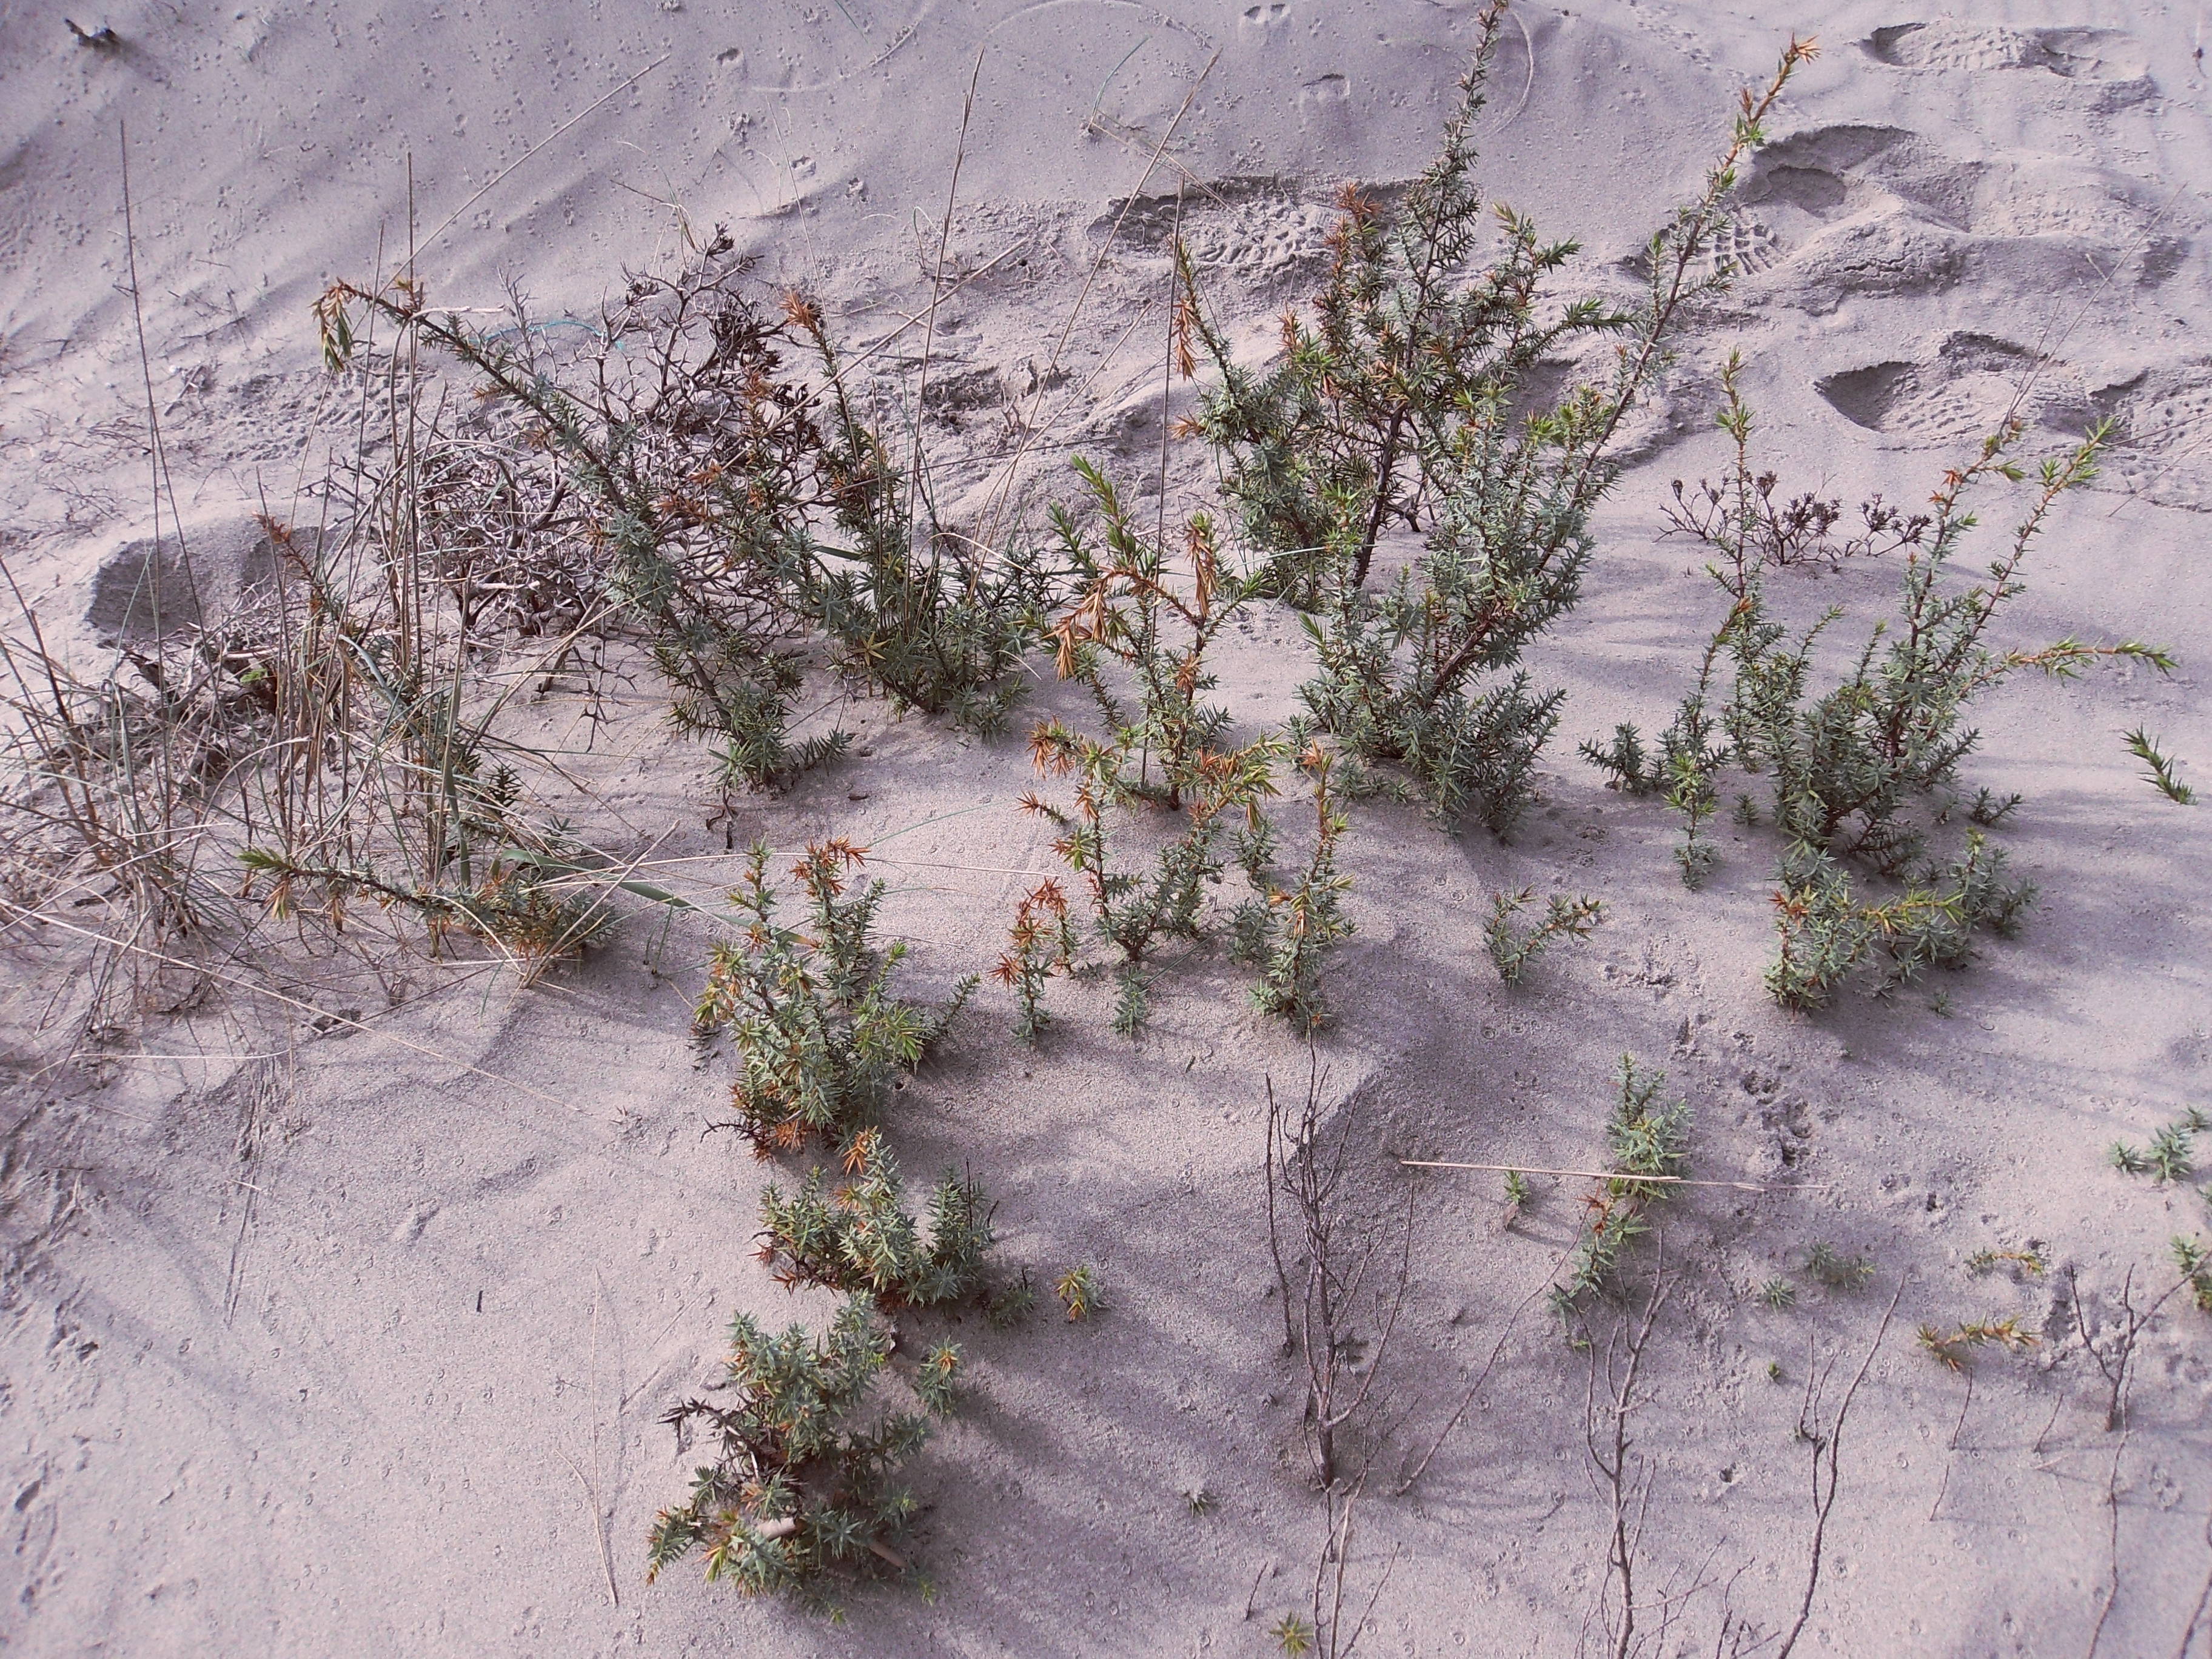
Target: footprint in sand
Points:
x,y
1964,389
1865,210
2161,441
2110,60
1325,102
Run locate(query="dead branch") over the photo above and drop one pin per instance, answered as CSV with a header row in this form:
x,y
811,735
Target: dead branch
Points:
x,y
1827,1447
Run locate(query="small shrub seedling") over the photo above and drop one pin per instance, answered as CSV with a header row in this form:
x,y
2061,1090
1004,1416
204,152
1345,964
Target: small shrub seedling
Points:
x,y
1011,1305
2029,1261
1511,951
1836,1271
2172,1154
800,1485
1644,1137
819,1035
1079,1293
1779,1294
855,1237
1290,927
1041,943
1955,1348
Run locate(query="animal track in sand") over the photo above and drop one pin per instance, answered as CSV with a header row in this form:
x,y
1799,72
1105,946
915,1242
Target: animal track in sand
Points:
x,y
2162,443
1259,238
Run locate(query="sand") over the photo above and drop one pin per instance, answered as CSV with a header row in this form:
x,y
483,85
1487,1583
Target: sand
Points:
x,y
323,1340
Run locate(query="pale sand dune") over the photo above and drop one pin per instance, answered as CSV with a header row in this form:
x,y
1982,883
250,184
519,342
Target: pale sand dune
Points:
x,y
364,1351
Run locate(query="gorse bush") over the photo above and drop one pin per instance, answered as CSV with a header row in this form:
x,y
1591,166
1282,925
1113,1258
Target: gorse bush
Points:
x,y
1134,908
1129,613
1851,769
820,1038
1290,925
691,456
800,1485
1138,638
913,608
1645,1137
498,877
856,1237
714,498
1138,643
1412,398
1827,933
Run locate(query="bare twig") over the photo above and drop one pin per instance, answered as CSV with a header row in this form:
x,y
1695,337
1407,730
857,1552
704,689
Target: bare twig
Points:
x,y
1826,1448
2112,1576
1626,1485
2204,1597
1480,1377
1335,1250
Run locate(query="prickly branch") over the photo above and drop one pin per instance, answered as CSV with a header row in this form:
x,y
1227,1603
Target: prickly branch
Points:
x,y
1512,950
1041,943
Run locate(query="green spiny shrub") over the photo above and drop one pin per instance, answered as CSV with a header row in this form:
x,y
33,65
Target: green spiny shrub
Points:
x,y
713,496
1511,951
1412,398
855,1237
1827,933
1645,1138
801,1487
524,886
820,1037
